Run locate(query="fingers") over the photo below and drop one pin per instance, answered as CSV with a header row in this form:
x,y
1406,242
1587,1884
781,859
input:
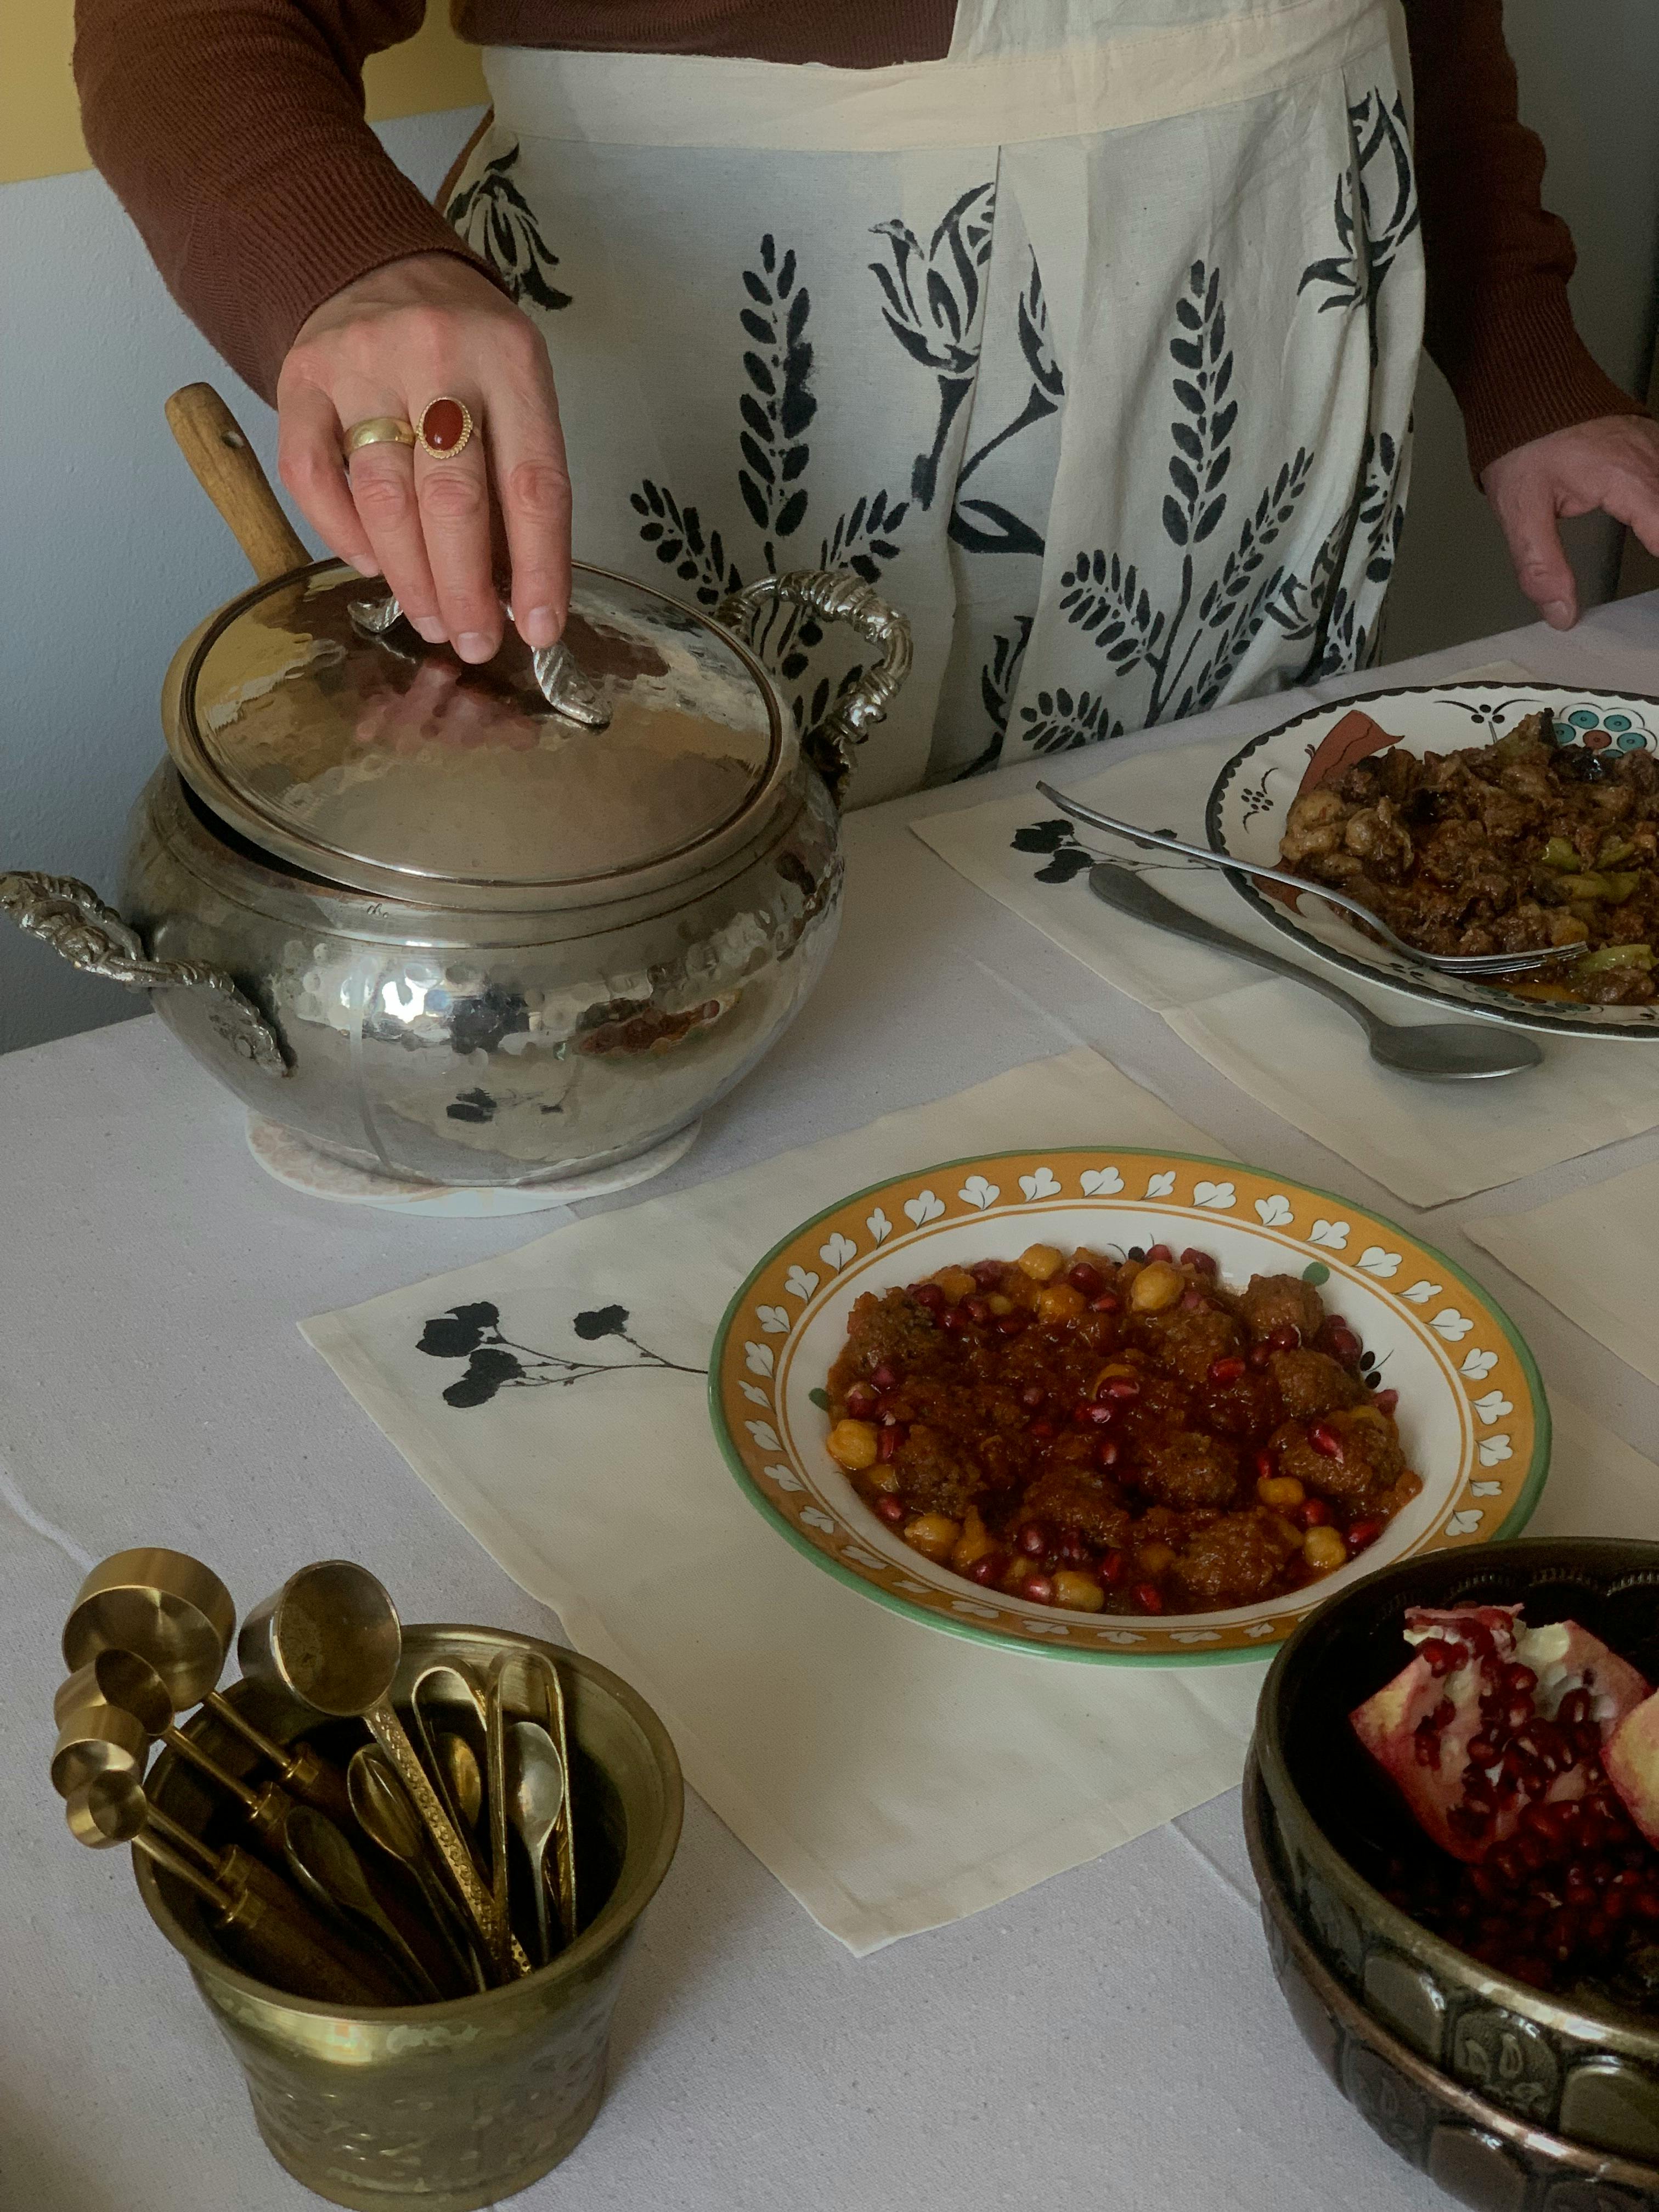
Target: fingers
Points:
x,y
528,460
308,461
383,486
1527,511
453,497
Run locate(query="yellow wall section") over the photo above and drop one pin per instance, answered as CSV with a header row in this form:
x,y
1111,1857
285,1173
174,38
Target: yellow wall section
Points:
x,y
40,130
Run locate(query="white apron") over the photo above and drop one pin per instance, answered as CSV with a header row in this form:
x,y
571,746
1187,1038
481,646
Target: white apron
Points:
x,y
1092,346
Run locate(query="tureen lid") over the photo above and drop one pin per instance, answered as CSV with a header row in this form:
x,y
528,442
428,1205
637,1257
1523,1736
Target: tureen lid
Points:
x,y
320,726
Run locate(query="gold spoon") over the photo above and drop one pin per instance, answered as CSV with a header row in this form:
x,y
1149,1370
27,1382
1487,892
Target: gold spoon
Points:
x,y
382,1812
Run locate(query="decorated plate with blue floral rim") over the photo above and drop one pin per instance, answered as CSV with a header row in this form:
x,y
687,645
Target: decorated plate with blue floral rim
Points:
x,y
1251,799
1471,1412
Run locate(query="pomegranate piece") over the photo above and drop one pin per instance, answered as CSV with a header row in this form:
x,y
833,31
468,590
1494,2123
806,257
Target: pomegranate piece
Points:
x,y
1492,1719
1632,1758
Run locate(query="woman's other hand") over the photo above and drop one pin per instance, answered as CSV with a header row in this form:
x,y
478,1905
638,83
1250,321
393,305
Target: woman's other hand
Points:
x,y
412,332
1611,463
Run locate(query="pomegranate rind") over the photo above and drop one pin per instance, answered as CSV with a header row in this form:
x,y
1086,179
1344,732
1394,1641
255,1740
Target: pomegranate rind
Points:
x,y
1632,1758
1563,1656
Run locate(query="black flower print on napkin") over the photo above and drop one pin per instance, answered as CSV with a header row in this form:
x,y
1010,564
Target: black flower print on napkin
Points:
x,y
496,220
473,1333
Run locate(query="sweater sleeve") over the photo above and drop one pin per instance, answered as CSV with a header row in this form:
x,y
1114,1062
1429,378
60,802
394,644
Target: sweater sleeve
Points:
x,y
1498,325
232,132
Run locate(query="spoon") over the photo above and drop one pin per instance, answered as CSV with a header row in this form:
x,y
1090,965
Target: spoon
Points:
x,y
1444,964
331,1636
324,1865
386,1816
104,1703
173,1611
535,1799
458,1764
1434,1052
446,1769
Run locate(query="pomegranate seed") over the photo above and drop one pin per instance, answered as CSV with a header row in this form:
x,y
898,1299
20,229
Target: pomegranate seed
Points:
x,y
1032,1538
1043,1428
1192,1300
1257,1358
1345,1344
1113,1568
1444,1713
1106,1453
1034,1397
1386,1400
1266,1464
1122,1387
1363,1532
1088,1280
989,1567
1224,1371
886,1376
1439,1658
1483,1752
1287,1336
1108,1302
888,1442
987,1273
1075,1552
929,1295
1040,1588
892,1510
862,1401
1012,1324
976,1310
1160,1252
1521,1680
1203,1261
1148,1597
1313,1513
1094,1412
953,1318
1325,1440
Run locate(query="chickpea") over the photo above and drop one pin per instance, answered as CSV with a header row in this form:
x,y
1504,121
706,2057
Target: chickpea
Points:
x,y
1323,1549
1077,1593
1000,1305
1020,1571
885,1480
1407,1488
1281,1492
1060,1302
956,1284
852,1444
1040,1262
933,1534
1154,1559
975,1541
1157,1286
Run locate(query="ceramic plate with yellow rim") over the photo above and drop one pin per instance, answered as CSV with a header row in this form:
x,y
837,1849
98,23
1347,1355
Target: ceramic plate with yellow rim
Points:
x,y
1471,1412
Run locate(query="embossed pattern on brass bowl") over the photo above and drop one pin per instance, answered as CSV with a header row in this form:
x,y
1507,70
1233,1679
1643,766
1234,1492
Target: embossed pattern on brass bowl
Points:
x,y
444,2108
1559,2067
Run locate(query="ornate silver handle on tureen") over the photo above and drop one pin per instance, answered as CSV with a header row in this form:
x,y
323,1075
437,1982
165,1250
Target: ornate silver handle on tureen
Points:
x,y
562,684
836,595
70,917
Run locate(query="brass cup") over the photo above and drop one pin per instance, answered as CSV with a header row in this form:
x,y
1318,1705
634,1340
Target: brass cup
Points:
x,y
444,2108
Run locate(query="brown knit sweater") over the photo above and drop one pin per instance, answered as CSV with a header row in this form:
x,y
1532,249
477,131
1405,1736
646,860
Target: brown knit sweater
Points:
x,y
233,131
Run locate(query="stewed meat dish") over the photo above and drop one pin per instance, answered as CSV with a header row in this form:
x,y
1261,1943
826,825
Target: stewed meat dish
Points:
x,y
1126,1437
1507,848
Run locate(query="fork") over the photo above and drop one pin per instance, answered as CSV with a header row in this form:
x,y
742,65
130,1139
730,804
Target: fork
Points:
x,y
1445,964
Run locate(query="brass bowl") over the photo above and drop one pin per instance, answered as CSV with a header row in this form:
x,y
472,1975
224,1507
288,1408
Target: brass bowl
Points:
x,y
1479,2153
441,2107
1328,1819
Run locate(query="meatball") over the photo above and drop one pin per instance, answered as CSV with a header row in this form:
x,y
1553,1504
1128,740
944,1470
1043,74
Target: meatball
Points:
x,y
890,1330
1312,1383
1187,1468
1249,1407
935,1474
1282,1302
1361,1476
1082,1503
1189,1342
1235,1561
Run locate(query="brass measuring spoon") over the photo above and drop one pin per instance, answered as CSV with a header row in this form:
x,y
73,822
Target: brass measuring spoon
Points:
x,y
95,1740
119,1693
331,1636
173,1611
115,1810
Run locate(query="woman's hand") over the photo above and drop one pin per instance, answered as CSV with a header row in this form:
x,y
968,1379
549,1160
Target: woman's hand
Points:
x,y
390,344
1611,463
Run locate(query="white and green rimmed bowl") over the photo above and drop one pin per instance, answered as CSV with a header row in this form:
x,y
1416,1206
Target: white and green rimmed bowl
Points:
x,y
1471,1412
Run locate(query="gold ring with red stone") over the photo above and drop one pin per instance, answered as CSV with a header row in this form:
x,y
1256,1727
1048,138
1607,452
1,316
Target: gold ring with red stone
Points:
x,y
444,428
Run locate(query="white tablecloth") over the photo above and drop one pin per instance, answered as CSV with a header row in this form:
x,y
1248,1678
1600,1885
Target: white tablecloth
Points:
x,y
1113,2036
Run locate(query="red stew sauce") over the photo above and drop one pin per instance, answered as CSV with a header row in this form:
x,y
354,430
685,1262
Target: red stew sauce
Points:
x,y
1123,1436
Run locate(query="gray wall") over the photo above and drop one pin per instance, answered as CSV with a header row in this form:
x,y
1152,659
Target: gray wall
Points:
x,y
109,556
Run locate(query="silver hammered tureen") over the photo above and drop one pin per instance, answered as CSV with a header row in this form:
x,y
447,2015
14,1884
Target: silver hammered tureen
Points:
x,y
485,926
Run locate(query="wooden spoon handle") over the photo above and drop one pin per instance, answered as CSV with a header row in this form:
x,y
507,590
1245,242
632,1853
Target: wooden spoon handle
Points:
x,y
227,468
